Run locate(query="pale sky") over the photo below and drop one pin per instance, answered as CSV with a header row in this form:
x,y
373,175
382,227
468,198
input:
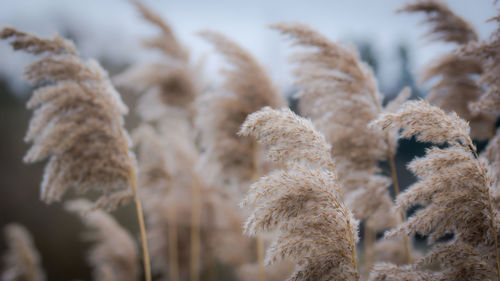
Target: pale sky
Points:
x,y
113,28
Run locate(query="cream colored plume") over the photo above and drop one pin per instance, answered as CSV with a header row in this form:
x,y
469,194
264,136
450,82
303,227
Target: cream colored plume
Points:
x,y
77,123
339,93
114,256
302,201
487,53
22,260
170,84
455,188
455,87
229,159
445,24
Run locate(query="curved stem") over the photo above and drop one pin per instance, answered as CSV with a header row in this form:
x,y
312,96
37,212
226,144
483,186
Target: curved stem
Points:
x,y
395,182
260,257
142,227
195,230
348,221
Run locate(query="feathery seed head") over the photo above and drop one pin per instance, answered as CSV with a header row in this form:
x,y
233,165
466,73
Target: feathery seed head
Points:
x,y
22,261
77,123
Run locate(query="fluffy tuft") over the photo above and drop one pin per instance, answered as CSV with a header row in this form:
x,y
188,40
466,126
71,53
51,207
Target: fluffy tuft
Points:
x,y
232,159
289,137
77,123
301,201
114,255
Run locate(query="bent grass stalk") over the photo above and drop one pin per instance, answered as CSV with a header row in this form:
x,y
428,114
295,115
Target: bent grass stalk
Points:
x,y
140,218
142,227
395,182
195,230
349,228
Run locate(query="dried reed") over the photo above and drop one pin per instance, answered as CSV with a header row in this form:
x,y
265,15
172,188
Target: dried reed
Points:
x,y
78,124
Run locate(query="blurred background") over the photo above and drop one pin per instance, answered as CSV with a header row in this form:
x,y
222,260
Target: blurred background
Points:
x,y
111,32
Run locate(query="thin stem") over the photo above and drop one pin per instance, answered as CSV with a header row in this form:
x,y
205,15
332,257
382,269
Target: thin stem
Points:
x,y
142,227
140,216
349,228
369,242
195,230
172,242
395,182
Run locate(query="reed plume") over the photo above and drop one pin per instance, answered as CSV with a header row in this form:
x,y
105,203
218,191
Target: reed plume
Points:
x,y
455,87
114,255
302,201
78,124
455,187
246,89
169,83
445,24
228,158
487,53
339,93
22,260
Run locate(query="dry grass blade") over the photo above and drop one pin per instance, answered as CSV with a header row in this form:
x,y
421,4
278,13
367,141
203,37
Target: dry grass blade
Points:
x,y
22,261
115,254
